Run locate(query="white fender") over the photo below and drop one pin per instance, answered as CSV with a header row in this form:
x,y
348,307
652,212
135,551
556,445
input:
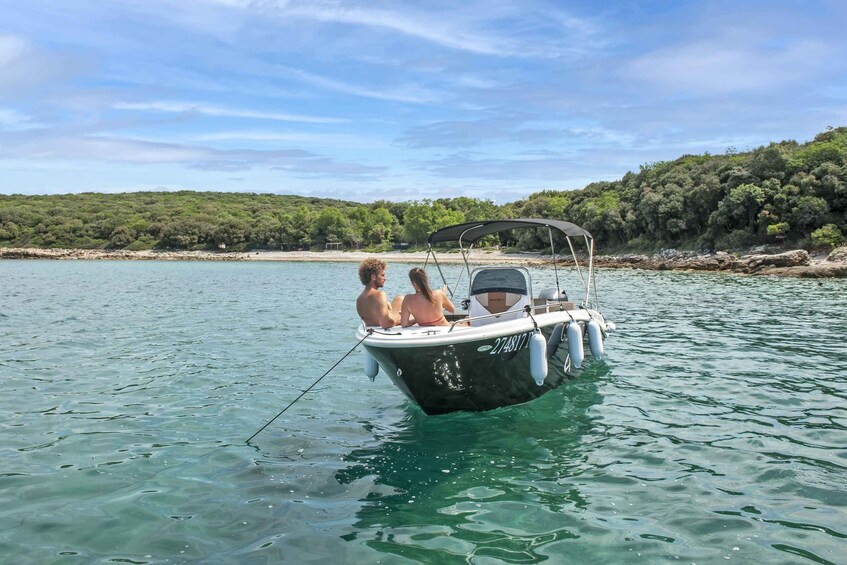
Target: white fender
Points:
x,y
595,339
371,366
575,349
538,358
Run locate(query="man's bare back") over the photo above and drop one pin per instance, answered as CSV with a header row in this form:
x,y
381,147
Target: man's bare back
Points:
x,y
374,309
372,304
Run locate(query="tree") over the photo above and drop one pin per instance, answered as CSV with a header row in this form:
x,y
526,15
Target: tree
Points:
x,y
360,219
471,208
832,184
816,154
188,232
9,231
747,200
382,227
301,226
121,236
230,232
332,226
769,162
443,216
265,231
702,199
809,213
419,221
648,211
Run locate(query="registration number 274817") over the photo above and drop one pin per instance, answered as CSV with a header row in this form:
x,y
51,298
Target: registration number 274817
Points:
x,y
510,343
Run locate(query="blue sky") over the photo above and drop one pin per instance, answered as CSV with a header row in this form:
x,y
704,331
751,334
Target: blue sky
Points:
x,y
401,100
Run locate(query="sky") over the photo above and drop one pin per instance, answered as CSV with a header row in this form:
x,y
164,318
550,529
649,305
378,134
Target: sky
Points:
x,y
401,100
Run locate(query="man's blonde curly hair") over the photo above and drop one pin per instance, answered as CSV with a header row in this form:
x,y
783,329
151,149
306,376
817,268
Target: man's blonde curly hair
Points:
x,y
370,267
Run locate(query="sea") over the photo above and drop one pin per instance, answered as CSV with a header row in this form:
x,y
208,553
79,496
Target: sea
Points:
x,y
713,431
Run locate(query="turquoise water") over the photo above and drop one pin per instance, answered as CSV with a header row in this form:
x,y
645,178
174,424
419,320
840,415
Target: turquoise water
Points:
x,y
716,429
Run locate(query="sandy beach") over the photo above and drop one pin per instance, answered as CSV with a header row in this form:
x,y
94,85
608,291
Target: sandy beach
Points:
x,y
481,256
794,263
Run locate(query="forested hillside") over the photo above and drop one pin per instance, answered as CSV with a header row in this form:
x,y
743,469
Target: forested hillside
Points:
x,y
786,192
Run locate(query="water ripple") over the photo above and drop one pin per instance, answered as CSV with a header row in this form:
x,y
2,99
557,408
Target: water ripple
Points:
x,y
715,429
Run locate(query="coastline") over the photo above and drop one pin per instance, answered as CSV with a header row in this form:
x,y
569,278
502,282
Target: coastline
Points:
x,y
797,263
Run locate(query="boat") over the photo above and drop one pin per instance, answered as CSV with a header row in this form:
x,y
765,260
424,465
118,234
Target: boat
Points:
x,y
509,345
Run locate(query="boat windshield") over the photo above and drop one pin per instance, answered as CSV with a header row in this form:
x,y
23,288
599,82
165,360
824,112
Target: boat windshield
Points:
x,y
499,280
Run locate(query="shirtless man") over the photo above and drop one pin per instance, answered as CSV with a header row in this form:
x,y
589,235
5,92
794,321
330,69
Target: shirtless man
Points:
x,y
372,305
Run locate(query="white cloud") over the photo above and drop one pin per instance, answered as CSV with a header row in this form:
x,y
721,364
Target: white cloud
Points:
x,y
40,146
11,48
513,128
412,94
478,29
327,140
11,119
233,3
221,111
24,67
466,165
476,82
411,24
99,149
725,64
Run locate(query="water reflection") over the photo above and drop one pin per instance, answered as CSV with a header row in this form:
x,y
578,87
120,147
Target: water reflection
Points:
x,y
500,484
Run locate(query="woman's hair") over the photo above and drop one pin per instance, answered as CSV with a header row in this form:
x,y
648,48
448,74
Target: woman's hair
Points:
x,y
370,267
421,280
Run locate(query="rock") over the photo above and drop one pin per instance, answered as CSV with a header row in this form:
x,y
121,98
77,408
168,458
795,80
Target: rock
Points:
x,y
674,255
626,260
97,254
724,259
838,255
763,250
754,263
820,270
704,264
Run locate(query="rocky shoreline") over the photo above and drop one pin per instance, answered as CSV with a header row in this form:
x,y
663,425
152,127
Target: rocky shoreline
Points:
x,y
116,255
761,261
796,263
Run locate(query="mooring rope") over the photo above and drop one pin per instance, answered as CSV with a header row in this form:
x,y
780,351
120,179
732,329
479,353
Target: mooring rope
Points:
x,y
528,310
368,332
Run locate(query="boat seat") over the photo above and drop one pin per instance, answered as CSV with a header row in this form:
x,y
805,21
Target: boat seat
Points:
x,y
504,305
497,302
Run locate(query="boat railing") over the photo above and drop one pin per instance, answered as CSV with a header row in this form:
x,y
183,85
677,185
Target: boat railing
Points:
x,y
470,319
536,308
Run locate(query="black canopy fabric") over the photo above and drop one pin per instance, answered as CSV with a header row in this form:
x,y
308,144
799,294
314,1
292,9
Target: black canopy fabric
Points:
x,y
471,232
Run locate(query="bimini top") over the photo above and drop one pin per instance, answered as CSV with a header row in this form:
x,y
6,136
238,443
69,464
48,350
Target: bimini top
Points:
x,y
471,232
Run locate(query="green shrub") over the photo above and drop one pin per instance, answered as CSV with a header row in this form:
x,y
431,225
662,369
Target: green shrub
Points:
x,y
143,243
121,236
827,236
778,230
736,239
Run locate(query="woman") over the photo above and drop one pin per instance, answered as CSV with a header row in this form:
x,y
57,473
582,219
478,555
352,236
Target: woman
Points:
x,y
425,305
